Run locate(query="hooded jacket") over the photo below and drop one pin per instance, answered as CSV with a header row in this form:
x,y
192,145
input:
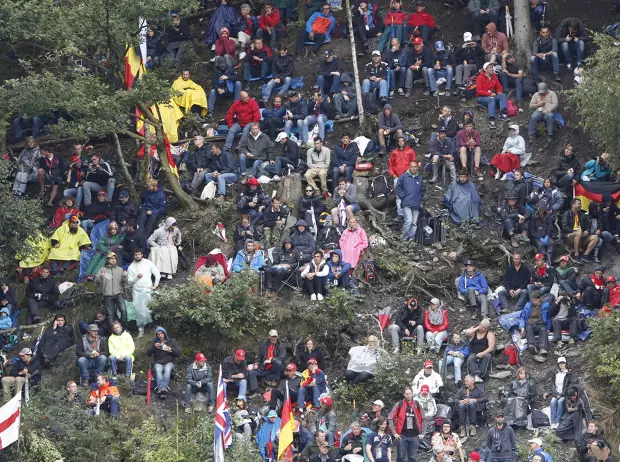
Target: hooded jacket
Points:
x,y
349,197
527,311
410,190
514,144
337,268
353,244
121,345
243,112
348,89
399,160
260,147
5,321
285,257
596,171
282,66
392,121
266,437
320,23
477,281
257,261
112,280
259,196
163,237
346,155
303,242
154,201
160,356
498,40
195,374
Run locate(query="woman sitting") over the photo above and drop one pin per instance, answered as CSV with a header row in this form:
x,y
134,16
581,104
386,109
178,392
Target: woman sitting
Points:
x,y
112,242
163,243
66,209
211,272
310,351
522,392
436,325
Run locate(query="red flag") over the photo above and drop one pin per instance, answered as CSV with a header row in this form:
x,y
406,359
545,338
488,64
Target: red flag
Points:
x,y
149,377
285,448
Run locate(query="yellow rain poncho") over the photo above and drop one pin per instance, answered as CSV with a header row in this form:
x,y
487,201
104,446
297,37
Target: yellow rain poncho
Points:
x,y
70,244
39,248
193,95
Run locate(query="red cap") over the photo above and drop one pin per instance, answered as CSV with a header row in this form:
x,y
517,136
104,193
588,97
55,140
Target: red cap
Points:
x,y
75,159
200,357
291,367
417,40
564,258
425,389
539,256
428,363
253,182
326,400
240,354
312,361
611,279
102,191
474,456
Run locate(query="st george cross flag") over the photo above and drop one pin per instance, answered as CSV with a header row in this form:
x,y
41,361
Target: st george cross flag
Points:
x,y
223,434
9,421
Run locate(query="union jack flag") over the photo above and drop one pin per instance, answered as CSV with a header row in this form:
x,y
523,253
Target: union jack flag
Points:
x,y
223,433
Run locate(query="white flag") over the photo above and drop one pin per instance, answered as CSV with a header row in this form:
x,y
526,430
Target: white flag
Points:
x,y
9,421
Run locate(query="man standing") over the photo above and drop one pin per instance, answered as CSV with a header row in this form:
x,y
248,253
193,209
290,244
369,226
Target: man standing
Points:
x,y
112,279
92,351
407,423
410,191
501,441
121,349
140,276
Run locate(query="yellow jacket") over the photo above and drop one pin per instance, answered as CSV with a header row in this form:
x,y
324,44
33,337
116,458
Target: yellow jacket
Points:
x,y
70,244
121,345
192,94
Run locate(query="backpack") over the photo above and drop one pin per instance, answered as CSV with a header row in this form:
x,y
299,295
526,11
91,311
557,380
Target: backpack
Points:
x,y
140,387
512,354
614,29
370,272
370,103
539,419
379,187
511,108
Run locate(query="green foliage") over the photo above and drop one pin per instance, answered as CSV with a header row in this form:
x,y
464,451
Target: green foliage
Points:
x,y
152,443
231,310
343,304
606,348
595,99
20,219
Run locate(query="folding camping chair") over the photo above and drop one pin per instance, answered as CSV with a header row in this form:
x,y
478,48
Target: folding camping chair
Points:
x,y
293,281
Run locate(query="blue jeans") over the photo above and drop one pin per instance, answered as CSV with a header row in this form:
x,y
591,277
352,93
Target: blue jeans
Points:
x,y
536,62
213,95
333,81
282,161
577,48
541,290
252,72
348,173
538,116
162,374
557,409
20,124
536,15
605,236
458,363
387,36
269,86
368,86
206,388
255,216
289,124
85,364
407,448
490,102
240,385
222,180
315,392
88,187
112,405
243,162
87,225
434,74
232,132
310,121
411,222
517,83
343,281
75,192
128,365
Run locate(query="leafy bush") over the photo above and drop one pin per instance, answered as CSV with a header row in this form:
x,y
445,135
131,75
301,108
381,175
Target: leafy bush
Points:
x,y
231,310
606,349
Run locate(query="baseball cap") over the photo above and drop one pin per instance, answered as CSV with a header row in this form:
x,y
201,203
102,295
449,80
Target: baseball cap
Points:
x,y
428,363
442,130
291,367
75,159
240,354
93,327
273,333
467,37
111,254
417,41
425,389
74,219
485,66
435,301
419,3
611,279
329,53
312,361
102,192
564,258
272,414
200,357
539,256
253,182
376,53
474,456
468,263
281,136
439,46
537,441
123,194
542,87
25,351
499,413
378,402
561,359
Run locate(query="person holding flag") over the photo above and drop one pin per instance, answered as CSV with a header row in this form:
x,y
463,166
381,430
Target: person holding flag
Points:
x,y
223,433
285,444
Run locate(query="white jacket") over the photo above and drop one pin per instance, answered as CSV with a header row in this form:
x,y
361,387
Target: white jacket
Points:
x,y
433,381
148,270
515,144
364,358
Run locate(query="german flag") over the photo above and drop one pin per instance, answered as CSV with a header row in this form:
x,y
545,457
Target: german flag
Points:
x,y
593,191
285,447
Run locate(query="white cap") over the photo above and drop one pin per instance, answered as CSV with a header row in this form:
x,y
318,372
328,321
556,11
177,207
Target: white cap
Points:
x,y
378,402
537,441
467,37
485,66
376,53
435,301
281,136
561,359
273,333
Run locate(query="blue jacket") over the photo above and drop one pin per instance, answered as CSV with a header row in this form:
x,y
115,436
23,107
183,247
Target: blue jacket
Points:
x,y
5,321
320,15
595,171
268,432
257,261
340,267
541,452
527,311
154,201
477,282
224,163
346,156
410,190
462,348
274,113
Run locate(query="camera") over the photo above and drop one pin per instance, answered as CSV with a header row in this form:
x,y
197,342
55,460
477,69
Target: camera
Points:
x,y
395,63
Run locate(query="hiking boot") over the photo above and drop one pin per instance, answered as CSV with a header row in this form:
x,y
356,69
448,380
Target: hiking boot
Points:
x,y
557,77
477,173
407,93
383,100
435,93
463,432
473,431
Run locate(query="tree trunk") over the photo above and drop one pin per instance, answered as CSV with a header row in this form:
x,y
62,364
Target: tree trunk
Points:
x,y
358,87
290,189
301,13
523,32
124,170
173,182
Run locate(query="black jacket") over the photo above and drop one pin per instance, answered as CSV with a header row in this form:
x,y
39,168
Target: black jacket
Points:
x,y
379,71
563,30
303,242
547,278
282,66
133,241
445,58
163,357
62,336
512,213
570,381
329,237
200,158
299,109
285,257
514,279
451,125
542,45
518,188
80,351
230,368
411,57
290,150
279,352
344,156
270,216
405,315
180,34
46,287
123,212
563,164
261,197
9,297
326,68
33,367
224,163
471,54
568,220
539,227
305,355
242,234
555,309
98,211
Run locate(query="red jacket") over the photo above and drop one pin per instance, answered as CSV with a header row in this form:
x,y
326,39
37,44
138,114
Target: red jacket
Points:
x,y
271,20
264,53
485,85
421,19
245,112
399,161
59,216
225,46
433,328
397,18
614,295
